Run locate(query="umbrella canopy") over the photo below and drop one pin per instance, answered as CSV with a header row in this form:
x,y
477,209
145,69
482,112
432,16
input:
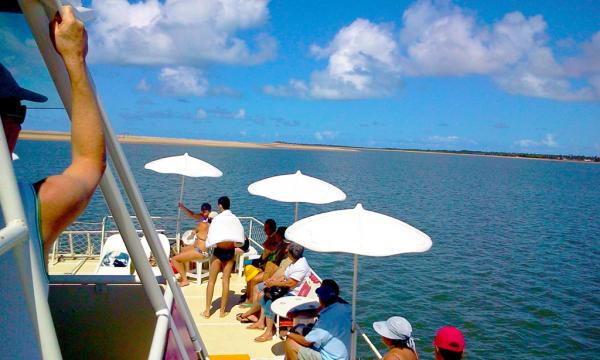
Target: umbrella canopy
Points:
x,y
297,188
184,165
360,232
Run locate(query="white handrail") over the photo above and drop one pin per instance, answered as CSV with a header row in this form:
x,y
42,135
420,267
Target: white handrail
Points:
x,y
38,19
30,270
368,341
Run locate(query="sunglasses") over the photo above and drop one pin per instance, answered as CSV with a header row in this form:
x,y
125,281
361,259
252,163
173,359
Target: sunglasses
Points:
x,y
15,112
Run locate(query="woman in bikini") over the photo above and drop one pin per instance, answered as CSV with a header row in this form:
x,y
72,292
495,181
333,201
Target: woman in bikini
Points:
x,y
193,252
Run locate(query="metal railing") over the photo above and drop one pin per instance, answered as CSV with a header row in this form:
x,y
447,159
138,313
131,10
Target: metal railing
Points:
x,y
38,15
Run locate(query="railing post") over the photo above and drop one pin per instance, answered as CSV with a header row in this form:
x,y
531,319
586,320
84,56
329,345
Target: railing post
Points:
x,y
71,244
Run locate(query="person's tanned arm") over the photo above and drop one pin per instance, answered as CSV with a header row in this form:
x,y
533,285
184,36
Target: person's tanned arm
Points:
x,y
63,197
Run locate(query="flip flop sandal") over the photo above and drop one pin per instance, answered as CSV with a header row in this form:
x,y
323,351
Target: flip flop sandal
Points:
x,y
241,319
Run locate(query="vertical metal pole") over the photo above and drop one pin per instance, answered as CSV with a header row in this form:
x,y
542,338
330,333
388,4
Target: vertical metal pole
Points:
x,y
296,212
177,235
135,197
12,209
354,289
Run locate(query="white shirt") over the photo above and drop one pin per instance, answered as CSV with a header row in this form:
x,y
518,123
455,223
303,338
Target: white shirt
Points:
x,y
297,271
225,227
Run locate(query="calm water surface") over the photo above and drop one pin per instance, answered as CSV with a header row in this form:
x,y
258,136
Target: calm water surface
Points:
x,y
515,261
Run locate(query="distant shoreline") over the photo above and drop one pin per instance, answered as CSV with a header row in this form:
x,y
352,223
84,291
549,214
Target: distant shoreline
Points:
x,y
135,139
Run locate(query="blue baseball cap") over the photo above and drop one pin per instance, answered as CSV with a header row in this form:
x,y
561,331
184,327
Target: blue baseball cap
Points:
x,y
10,89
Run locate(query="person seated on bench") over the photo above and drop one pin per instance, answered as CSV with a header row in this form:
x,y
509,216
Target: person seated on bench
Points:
x,y
272,256
292,279
192,252
202,216
330,337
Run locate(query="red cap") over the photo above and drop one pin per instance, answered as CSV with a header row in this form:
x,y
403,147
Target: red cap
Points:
x,y
449,338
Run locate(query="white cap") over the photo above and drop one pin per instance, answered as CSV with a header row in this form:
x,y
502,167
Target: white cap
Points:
x,y
395,328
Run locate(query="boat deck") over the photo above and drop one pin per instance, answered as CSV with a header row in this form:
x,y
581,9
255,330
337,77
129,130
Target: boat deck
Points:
x,y
222,336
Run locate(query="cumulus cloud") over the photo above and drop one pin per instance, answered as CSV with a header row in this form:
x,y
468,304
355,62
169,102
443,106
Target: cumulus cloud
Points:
x,y
182,81
438,38
548,141
325,135
182,32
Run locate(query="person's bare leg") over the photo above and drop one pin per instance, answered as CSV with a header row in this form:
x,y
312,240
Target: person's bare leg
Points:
x,y
250,287
291,349
227,268
268,334
179,261
213,271
255,309
260,324
257,295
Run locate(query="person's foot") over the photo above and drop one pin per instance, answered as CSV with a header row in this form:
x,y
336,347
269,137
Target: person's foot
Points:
x,y
264,337
206,314
223,313
255,326
183,283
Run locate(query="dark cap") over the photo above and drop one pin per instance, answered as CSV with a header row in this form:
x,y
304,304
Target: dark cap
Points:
x,y
10,89
328,291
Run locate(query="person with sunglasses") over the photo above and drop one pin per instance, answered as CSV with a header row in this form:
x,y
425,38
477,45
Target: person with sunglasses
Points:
x,y
53,203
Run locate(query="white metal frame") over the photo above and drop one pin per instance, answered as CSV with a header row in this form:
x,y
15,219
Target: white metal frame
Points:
x,y
38,14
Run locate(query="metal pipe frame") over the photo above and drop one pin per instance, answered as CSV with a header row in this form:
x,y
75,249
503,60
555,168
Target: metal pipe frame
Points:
x,y
38,17
29,269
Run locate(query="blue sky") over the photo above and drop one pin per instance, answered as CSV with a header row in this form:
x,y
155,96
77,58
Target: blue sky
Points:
x,y
494,76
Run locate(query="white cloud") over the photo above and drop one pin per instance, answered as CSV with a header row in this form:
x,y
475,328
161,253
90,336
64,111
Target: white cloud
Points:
x,y
201,114
325,135
549,141
293,88
142,86
182,32
240,114
182,81
444,139
438,38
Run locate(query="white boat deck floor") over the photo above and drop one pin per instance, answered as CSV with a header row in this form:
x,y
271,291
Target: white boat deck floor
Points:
x,y
222,336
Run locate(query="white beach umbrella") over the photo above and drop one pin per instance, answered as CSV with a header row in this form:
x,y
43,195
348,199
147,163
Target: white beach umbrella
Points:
x,y
184,165
297,188
360,232
15,156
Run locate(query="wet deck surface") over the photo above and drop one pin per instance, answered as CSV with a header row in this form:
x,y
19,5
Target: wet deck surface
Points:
x,y
222,336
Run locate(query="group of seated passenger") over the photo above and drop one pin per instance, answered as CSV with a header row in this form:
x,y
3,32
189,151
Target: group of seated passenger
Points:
x,y
280,271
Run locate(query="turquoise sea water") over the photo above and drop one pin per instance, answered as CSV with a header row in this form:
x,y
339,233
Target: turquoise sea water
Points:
x,y
515,261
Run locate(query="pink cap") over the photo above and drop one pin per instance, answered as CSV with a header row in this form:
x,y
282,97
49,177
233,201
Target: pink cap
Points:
x,y
449,338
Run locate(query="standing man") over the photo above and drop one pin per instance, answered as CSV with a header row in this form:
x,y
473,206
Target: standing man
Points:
x,y
449,343
225,232
53,203
330,337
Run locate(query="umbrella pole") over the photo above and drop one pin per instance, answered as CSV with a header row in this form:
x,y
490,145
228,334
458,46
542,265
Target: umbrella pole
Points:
x,y
177,235
354,289
296,212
